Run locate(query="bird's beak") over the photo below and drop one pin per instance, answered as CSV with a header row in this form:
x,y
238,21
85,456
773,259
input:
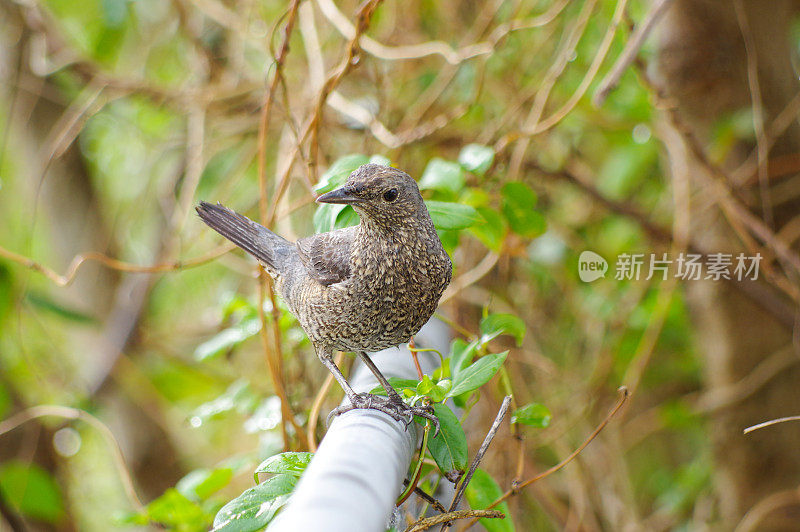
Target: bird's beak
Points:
x,y
340,195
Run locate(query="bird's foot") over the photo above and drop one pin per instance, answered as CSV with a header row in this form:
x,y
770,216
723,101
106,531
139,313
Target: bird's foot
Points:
x,y
395,408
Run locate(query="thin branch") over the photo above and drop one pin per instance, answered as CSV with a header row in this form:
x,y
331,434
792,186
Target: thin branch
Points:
x,y
311,129
748,170
462,487
515,489
430,522
735,211
602,51
453,56
419,492
366,118
632,48
266,107
274,356
195,138
765,506
66,412
770,423
114,264
762,143
316,406
348,62
543,93
470,277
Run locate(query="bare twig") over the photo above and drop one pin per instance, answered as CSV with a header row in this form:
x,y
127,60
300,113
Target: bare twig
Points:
x,y
269,97
735,211
515,489
462,487
316,407
451,55
348,62
67,278
543,93
770,423
66,412
599,57
632,48
762,143
311,128
430,522
765,506
472,276
419,492
274,356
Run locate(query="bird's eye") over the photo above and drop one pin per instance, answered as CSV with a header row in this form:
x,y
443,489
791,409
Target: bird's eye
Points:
x,y
390,195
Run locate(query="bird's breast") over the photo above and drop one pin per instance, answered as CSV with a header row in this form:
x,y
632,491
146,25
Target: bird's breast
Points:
x,y
393,290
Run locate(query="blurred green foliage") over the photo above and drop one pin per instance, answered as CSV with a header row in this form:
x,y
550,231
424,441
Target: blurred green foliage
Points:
x,y
192,383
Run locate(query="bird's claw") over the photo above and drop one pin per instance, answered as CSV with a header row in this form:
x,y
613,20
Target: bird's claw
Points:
x,y
425,412
396,409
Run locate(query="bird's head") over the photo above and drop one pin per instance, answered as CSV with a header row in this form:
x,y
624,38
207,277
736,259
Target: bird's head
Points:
x,y
381,193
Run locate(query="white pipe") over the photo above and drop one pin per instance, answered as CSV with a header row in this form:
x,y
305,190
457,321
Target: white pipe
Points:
x,y
357,473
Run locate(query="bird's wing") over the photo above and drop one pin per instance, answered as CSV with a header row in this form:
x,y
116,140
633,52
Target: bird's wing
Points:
x,y
326,256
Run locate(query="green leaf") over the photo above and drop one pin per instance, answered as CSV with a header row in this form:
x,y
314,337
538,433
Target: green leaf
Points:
x,y
347,217
494,325
239,396
233,303
439,391
330,216
482,491
339,171
476,158
443,371
425,385
290,463
449,447
533,415
202,483
493,231
451,216
31,491
461,354
256,507
175,510
442,175
518,207
478,374
44,303
325,216
6,293
227,338
266,416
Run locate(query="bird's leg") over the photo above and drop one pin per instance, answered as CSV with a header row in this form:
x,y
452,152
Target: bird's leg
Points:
x,y
410,411
395,408
383,381
327,359
357,400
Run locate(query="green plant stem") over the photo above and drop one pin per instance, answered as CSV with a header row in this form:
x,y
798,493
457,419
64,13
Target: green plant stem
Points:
x,y
417,467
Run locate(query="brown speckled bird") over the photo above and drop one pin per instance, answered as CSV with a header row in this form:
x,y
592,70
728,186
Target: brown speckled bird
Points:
x,y
361,288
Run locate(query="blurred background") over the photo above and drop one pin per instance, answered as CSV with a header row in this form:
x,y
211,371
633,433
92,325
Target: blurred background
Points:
x,y
138,354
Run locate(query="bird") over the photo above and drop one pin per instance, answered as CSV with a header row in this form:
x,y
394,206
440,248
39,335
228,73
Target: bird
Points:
x,y
357,289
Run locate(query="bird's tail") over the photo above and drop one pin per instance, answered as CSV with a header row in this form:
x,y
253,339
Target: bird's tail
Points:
x,y
269,248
